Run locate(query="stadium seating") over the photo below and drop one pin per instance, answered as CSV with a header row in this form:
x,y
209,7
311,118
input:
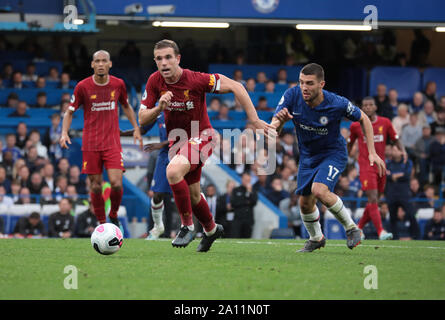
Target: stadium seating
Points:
x,y
282,233
250,71
406,80
19,63
437,75
30,95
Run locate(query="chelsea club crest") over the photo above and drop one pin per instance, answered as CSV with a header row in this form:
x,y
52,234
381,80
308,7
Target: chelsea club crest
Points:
x,y
324,120
265,6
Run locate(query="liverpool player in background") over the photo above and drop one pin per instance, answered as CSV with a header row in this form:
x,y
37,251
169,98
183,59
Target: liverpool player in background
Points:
x,y
372,183
181,95
101,146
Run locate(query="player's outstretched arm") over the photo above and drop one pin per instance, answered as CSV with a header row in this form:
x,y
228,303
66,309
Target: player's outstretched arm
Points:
x,y
280,119
66,124
129,133
148,115
369,134
229,85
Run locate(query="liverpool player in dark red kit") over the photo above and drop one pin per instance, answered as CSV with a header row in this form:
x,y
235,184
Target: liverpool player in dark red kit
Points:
x,y
181,96
101,147
372,183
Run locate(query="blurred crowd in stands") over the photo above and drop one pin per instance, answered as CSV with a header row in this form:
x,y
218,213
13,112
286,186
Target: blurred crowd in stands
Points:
x,y
33,168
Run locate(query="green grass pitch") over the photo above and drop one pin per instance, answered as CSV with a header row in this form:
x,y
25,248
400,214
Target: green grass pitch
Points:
x,y
232,269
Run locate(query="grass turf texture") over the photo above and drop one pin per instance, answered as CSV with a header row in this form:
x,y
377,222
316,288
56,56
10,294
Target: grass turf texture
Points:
x,y
232,269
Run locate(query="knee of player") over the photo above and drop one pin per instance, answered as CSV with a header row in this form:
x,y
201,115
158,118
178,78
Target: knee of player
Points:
x,y
319,191
158,197
174,175
116,184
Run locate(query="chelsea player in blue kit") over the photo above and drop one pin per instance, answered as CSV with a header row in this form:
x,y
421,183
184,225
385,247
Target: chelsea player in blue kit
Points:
x,y
317,114
160,184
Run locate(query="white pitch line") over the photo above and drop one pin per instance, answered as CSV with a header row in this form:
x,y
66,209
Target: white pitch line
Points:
x,y
332,245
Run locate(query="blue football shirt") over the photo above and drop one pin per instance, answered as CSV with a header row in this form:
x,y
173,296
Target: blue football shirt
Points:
x,y
318,128
160,122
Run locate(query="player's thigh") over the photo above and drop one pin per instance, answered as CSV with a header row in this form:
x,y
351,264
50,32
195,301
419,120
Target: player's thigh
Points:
x,y
92,162
113,159
178,167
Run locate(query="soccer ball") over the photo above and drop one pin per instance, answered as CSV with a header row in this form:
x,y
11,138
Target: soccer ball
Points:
x,y
106,238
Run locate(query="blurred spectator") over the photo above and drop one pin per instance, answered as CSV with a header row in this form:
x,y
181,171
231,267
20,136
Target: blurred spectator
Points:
x,y
261,185
34,140
73,196
430,91
261,77
61,223
61,187
402,118
7,71
270,86
31,226
78,58
435,228
226,208
41,101
401,60
17,80
21,135
63,167
53,75
288,179
238,76
243,200
421,153
13,100
41,82
240,58
15,190
65,81
48,176
417,103
427,115
36,183
46,196
397,192
387,49
293,84
52,136
437,156
11,146
223,114
354,188
250,85
262,104
282,76
4,181
33,161
289,144
441,104
405,231
382,102
393,101
276,193
215,104
86,222
20,111
428,196
439,123
410,134
23,175
25,197
130,55
4,199
420,49
226,155
414,188
30,74
8,163
290,207
74,179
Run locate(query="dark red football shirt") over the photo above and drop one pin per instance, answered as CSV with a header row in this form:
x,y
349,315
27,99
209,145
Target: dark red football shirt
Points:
x,y
383,130
101,112
188,102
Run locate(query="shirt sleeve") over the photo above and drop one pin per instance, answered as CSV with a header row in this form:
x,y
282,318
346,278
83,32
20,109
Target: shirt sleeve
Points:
x,y
393,136
285,102
76,99
351,112
150,95
208,82
123,97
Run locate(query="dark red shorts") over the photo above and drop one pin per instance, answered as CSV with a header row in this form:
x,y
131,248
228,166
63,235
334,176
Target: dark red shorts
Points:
x,y
197,151
94,161
371,181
